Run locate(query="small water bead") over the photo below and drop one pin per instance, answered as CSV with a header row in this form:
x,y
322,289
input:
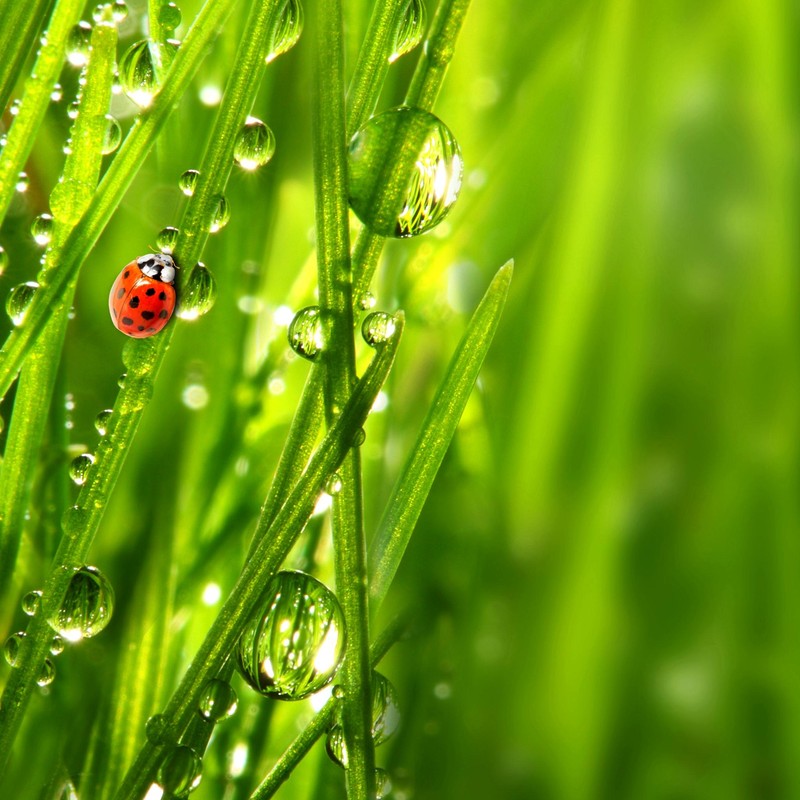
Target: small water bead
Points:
x,y
383,783
169,16
287,29
78,44
14,107
87,606
121,380
56,646
359,437
12,648
367,301
47,674
57,94
295,644
335,746
188,181
116,12
67,148
306,334
181,771
32,602
255,144
79,468
42,229
218,701
73,110
119,11
410,29
334,484
376,158
19,301
167,239
200,294
156,729
221,213
142,69
102,420
112,136
23,182
378,328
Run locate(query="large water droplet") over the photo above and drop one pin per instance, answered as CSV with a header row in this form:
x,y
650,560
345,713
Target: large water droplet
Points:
x,y
378,328
142,69
112,136
167,239
287,29
19,301
47,673
79,468
220,213
306,334
87,606
78,44
255,144
407,204
200,293
42,229
169,16
410,29
12,647
188,181
218,701
102,419
32,602
180,771
294,645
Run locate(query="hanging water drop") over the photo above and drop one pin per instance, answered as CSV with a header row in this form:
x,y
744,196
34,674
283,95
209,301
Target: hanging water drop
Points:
x,y
78,44
79,468
12,648
359,437
42,229
334,484
295,644
395,201
220,213
200,293
180,771
306,335
121,380
378,328
287,29
383,783
167,239
142,69
119,11
188,181
56,646
410,29
102,419
87,606
32,602
169,17
335,746
112,136
19,301
47,673
255,145
218,701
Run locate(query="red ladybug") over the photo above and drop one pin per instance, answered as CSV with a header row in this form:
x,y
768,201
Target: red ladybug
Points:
x,y
142,298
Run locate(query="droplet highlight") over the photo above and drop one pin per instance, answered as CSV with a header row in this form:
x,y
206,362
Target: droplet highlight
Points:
x,y
78,44
87,606
169,17
47,674
378,328
220,213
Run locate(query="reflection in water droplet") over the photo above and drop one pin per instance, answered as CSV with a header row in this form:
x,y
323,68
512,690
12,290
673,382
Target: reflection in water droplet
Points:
x,y
78,44
378,328
180,771
56,646
402,205
101,421
87,606
295,644
410,29
142,69
112,136
47,673
306,335
167,239
255,145
32,602
79,468
200,293
42,229
12,647
218,701
287,29
19,301
221,213
188,181
169,16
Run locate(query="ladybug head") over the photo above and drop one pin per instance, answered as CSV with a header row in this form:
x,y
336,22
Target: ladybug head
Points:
x,y
159,266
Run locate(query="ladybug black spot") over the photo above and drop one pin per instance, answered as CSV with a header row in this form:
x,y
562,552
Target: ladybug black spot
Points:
x,y
151,330
150,292
140,328
134,303
127,321
120,293
163,314
148,314
162,296
127,273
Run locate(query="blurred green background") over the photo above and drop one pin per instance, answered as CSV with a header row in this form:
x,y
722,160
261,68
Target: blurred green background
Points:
x,y
610,559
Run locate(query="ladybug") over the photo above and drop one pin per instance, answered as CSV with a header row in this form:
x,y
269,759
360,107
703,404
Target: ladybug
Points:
x,y
142,298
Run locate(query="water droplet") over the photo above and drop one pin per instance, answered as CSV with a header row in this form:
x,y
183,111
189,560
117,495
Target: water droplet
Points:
x,y
119,11
409,30
19,301
116,12
359,437
367,301
78,44
74,520
102,419
23,182
42,229
79,468
47,674
67,148
334,484
335,746
56,646
287,30
156,729
57,94
3,260
32,602
218,701
378,328
188,181
180,771
12,647
142,69
294,645
74,109
221,213
306,334
112,136
14,107
383,783
195,396
200,293
167,239
121,380
402,205
87,606
255,144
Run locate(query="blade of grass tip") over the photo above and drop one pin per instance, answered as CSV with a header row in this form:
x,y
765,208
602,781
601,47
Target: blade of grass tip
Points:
x,y
36,98
415,481
274,543
322,721
112,188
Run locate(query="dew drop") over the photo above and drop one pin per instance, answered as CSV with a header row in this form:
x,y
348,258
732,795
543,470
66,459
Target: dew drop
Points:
x,y
167,239
156,729
306,335
403,205
218,701
79,468
119,11
295,644
78,44
169,16
23,182
74,109
12,648
200,293
15,107
112,136
121,380
180,771
19,301
102,419
255,145
74,520
334,484
47,673
56,646
378,328
57,94
287,29
221,213
383,783
367,301
410,29
188,181
42,229
142,69
3,260
359,437
335,746
111,12
32,602
87,606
